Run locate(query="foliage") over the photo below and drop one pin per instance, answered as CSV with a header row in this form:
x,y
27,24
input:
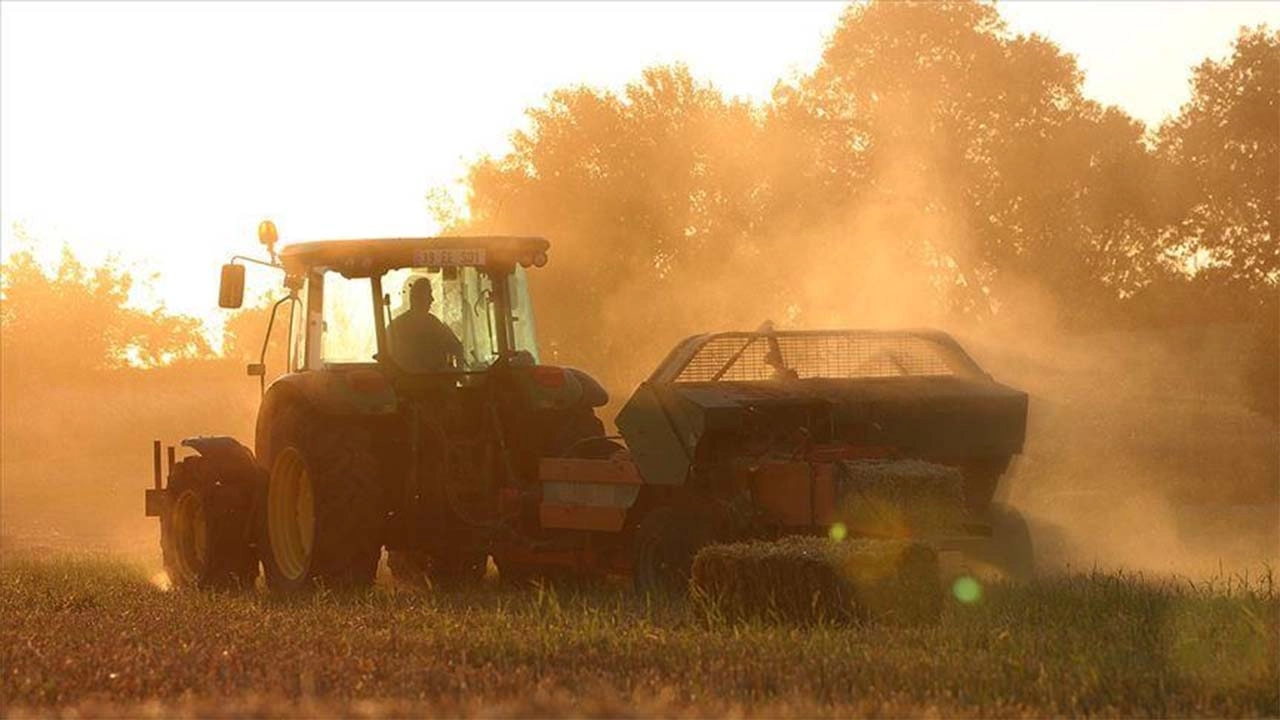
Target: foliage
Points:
x,y
1224,146
642,192
76,320
981,147
933,166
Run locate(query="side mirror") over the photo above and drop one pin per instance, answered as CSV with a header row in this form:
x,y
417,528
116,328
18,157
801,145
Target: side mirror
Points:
x,y
231,286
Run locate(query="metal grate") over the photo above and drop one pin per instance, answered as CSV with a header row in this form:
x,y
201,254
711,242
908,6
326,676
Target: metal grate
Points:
x,y
837,355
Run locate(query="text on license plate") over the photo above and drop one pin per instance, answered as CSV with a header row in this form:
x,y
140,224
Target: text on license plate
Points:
x,y
449,257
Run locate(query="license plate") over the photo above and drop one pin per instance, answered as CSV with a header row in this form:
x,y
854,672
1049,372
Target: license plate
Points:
x,y
449,257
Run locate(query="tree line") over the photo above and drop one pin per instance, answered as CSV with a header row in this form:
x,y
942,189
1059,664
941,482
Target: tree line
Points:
x,y
934,167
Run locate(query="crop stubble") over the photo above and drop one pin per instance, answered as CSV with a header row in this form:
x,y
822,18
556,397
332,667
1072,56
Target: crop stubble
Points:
x,y
95,636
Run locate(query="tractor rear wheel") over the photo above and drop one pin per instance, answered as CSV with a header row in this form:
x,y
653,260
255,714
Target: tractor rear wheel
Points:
x,y
665,543
205,534
321,508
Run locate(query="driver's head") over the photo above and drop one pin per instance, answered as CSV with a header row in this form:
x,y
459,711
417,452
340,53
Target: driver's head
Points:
x,y
420,297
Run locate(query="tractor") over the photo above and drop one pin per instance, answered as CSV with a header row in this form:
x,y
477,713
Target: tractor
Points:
x,y
449,459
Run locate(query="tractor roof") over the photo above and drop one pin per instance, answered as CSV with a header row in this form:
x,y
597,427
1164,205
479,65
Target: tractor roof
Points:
x,y
358,258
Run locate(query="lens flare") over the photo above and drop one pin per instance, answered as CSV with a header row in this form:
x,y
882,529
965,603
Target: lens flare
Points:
x,y
967,590
838,532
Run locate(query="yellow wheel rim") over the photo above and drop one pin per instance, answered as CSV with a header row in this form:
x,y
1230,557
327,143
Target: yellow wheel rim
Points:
x,y
191,535
291,515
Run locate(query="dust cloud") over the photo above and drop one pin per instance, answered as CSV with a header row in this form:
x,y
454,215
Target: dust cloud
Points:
x,y
75,456
1142,449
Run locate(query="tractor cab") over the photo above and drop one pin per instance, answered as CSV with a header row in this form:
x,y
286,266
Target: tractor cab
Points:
x,y
351,303
353,293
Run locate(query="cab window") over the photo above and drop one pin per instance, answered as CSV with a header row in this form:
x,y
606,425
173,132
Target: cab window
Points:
x,y
463,302
348,330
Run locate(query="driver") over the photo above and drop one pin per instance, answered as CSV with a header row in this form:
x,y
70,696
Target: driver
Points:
x,y
419,340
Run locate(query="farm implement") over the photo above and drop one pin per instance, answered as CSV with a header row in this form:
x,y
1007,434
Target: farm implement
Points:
x,y
448,448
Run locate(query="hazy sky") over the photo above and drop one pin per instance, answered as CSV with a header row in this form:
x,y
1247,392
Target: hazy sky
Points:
x,y
165,132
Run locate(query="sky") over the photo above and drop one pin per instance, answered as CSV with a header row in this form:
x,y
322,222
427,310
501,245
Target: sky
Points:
x,y
163,132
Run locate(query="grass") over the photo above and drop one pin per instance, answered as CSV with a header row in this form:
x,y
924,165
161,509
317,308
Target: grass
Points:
x,y
94,636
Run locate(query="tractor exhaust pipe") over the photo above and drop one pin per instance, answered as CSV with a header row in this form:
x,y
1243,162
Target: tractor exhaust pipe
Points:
x,y
155,461
156,500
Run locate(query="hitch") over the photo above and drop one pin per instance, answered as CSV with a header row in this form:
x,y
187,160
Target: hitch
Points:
x,y
157,500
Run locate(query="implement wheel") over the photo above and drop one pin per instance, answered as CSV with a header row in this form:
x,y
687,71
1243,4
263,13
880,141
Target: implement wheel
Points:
x,y
1009,551
322,509
205,535
663,550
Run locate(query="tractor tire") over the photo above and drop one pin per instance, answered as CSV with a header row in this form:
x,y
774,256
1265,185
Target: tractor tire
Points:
x,y
665,543
421,569
322,510
1009,551
205,535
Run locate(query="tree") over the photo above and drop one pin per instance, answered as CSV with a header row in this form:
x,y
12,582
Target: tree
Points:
x,y
934,165
640,194
76,320
1223,148
974,148
1222,184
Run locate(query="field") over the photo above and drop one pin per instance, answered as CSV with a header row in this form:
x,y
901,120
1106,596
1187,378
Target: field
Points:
x,y
88,634
1142,483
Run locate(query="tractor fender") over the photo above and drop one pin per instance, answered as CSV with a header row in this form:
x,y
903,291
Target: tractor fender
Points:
x,y
359,391
593,393
229,457
346,391
553,387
